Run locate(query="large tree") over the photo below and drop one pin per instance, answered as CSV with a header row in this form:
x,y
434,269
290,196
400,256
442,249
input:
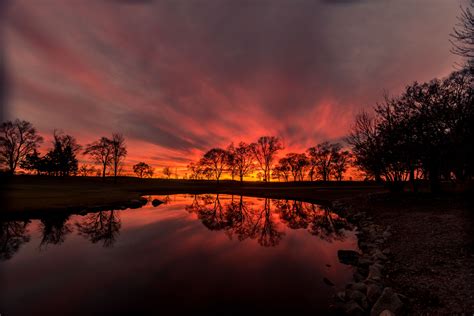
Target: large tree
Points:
x,y
119,152
265,150
323,157
62,157
215,160
243,160
101,152
17,140
296,163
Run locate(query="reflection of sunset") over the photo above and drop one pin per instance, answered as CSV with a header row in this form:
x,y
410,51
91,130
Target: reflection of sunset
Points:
x,y
260,253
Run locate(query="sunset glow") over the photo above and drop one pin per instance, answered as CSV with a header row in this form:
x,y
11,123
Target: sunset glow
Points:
x,y
180,77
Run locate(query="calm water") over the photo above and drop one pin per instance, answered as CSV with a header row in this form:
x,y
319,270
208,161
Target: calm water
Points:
x,y
195,253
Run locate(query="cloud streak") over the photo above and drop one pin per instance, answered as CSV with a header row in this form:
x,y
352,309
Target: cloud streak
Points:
x,y
178,77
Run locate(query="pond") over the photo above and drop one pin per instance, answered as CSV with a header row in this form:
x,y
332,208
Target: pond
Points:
x,y
205,254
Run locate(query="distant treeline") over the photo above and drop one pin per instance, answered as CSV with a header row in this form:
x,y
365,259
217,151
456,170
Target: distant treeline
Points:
x,y
326,161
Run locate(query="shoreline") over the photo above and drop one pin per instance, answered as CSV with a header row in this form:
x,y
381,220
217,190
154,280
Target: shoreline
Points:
x,y
428,245
35,196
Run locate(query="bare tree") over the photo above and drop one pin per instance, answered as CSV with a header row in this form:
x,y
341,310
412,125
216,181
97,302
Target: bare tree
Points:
x,y
85,170
231,161
215,159
119,152
243,160
195,170
323,157
462,37
17,140
282,170
264,151
341,162
142,170
101,152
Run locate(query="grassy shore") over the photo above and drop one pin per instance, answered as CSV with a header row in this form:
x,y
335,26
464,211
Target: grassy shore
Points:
x,y
37,194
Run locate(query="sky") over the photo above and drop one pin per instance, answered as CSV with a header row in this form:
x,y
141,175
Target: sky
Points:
x,y
177,78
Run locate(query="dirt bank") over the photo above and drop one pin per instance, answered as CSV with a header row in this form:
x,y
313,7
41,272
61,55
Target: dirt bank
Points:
x,y
432,247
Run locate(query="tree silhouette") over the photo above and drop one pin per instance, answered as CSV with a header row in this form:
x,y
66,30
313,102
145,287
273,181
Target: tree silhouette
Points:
x,y
142,170
265,150
54,229
17,140
62,159
167,172
215,161
101,152
12,235
463,35
85,170
119,152
103,226
243,160
296,164
323,159
440,117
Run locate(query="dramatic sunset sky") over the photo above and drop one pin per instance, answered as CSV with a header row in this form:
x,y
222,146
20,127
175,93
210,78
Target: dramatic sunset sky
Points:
x,y
179,77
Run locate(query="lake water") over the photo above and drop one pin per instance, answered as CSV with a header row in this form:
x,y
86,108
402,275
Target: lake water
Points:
x,y
205,254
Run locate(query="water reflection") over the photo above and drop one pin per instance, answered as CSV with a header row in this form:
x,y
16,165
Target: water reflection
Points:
x,y
193,254
239,217
54,229
103,226
12,235
258,218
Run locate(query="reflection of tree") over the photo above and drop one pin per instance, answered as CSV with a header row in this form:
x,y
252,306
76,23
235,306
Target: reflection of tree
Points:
x,y
54,229
269,236
237,219
12,235
242,219
101,226
328,225
294,213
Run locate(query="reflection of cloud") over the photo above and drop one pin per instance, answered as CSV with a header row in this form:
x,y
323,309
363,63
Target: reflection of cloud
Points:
x,y
180,76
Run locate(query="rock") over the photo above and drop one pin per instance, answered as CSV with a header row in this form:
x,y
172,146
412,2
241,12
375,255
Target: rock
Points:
x,y
341,296
348,257
358,297
375,272
156,202
387,251
135,204
373,292
386,234
358,277
378,255
352,308
386,312
365,262
328,282
359,286
389,300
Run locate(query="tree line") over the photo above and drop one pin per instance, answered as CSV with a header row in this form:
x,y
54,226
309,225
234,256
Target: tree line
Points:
x,y
19,144
326,161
